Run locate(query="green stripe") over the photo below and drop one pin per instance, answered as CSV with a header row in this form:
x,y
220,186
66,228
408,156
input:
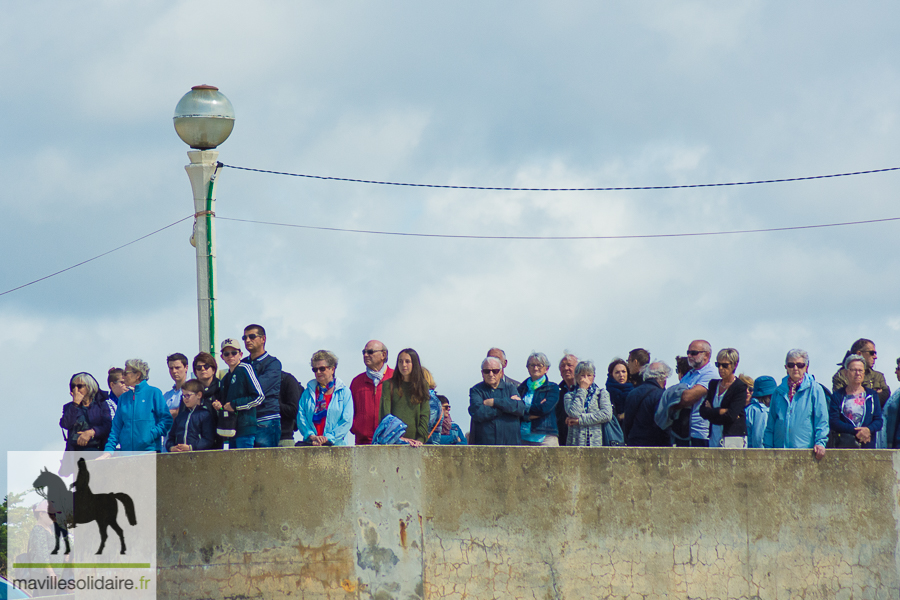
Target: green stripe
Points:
x,y
81,565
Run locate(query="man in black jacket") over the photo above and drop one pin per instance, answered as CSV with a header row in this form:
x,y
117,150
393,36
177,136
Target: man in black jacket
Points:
x,y
268,372
289,402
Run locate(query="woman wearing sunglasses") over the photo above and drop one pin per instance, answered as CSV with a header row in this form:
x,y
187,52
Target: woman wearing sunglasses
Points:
x,y
86,420
326,406
725,404
798,414
406,396
205,367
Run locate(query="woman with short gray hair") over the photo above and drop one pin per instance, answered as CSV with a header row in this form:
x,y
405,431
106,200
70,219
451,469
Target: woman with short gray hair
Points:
x,y
540,395
142,417
587,407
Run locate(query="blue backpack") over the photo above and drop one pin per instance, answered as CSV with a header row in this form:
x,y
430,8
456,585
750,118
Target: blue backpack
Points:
x,y
389,432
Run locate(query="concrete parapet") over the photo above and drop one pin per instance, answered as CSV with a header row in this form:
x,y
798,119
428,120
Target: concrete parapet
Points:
x,y
510,522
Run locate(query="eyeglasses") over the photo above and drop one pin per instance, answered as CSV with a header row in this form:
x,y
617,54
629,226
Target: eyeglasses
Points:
x,y
535,366
792,365
371,352
491,371
130,372
203,367
695,352
230,354
79,386
320,369
249,336
857,370
723,364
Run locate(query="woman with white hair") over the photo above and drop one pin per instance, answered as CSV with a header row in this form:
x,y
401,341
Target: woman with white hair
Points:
x,y
540,395
798,414
87,419
142,417
588,407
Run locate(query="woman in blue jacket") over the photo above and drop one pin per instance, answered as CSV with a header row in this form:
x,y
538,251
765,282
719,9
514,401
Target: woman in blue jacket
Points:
x,y
142,418
854,413
326,405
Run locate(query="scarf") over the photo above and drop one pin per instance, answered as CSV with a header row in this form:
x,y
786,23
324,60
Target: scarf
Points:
x,y
446,424
323,399
621,388
792,388
377,376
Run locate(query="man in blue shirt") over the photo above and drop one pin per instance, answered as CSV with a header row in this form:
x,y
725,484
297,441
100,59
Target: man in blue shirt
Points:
x,y
697,380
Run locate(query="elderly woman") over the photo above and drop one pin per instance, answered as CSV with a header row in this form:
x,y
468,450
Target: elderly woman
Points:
x,y
495,407
406,395
87,419
540,396
726,400
854,413
798,414
618,386
142,418
588,407
325,413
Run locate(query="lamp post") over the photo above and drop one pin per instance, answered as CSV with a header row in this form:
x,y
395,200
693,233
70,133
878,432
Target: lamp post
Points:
x,y
204,119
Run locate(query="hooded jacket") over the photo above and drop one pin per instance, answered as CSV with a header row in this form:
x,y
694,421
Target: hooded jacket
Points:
x,y
800,423
338,417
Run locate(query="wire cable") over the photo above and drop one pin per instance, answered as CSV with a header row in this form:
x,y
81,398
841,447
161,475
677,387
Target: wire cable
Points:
x,y
84,262
589,189
564,237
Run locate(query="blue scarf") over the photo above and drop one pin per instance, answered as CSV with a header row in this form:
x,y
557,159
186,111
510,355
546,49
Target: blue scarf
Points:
x,y
321,409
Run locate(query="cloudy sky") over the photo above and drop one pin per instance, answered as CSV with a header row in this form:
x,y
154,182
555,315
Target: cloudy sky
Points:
x,y
525,94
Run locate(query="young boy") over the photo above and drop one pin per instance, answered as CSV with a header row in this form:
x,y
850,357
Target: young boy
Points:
x,y
194,428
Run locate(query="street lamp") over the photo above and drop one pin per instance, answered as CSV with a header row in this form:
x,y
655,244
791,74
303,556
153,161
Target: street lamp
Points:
x,y
204,119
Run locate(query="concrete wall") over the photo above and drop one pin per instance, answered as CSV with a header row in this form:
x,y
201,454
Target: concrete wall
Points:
x,y
481,522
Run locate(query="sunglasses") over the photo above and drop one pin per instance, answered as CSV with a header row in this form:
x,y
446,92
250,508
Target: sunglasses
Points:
x,y
870,352
249,336
230,354
793,365
320,369
491,371
79,386
371,352
203,367
695,352
723,364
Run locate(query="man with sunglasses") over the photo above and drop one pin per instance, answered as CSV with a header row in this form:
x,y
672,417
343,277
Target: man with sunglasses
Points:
x,y
798,414
495,408
873,379
697,379
366,391
268,372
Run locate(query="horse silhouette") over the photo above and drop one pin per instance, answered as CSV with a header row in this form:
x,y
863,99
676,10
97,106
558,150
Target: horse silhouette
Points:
x,y
82,506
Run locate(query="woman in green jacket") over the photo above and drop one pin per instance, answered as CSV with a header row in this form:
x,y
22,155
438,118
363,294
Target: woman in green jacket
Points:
x,y
405,395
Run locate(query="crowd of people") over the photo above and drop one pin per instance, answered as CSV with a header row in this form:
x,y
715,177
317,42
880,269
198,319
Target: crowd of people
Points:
x,y
254,402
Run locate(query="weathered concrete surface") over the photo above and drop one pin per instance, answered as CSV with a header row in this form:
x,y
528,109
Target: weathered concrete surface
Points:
x,y
482,522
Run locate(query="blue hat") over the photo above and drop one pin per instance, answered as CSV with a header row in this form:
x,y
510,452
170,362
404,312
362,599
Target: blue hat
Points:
x,y
764,386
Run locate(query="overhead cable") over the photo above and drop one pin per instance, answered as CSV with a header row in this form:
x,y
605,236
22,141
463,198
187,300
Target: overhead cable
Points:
x,y
586,189
562,237
84,262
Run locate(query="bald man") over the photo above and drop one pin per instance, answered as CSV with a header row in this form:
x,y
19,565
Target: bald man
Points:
x,y
366,391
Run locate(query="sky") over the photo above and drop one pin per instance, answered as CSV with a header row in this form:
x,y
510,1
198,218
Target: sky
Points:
x,y
524,94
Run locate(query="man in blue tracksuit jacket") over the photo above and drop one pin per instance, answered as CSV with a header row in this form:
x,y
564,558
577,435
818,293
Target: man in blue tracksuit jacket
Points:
x,y
268,372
